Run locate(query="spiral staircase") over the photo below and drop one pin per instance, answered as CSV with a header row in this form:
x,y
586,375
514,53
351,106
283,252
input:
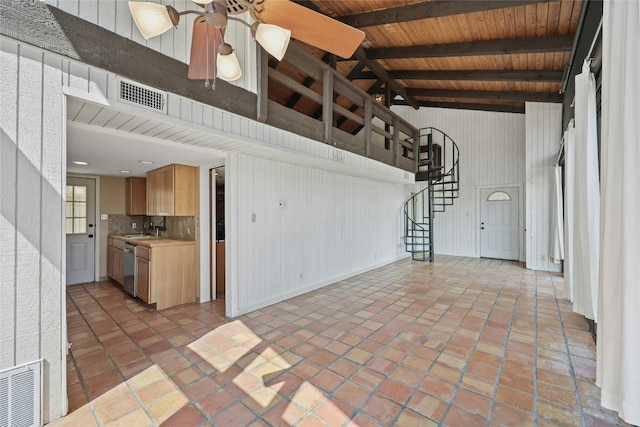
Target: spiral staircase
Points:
x,y
439,168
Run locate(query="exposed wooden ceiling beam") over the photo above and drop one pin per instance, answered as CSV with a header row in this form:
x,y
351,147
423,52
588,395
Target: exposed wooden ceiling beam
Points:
x,y
486,94
431,9
470,106
384,76
481,75
487,47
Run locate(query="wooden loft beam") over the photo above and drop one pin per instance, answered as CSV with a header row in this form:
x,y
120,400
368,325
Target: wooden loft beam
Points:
x,y
479,75
503,108
487,94
372,65
383,75
488,47
431,9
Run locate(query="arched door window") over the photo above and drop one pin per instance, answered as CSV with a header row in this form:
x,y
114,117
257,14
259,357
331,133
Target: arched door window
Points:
x,y
498,196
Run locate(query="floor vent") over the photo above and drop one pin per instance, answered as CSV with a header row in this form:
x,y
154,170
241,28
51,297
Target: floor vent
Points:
x,y
141,95
21,396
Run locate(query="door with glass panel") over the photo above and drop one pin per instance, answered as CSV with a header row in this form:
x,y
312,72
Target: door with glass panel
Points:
x,y
80,229
499,236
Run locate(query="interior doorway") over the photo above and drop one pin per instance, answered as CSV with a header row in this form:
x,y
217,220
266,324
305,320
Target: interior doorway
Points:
x,y
217,228
80,230
499,217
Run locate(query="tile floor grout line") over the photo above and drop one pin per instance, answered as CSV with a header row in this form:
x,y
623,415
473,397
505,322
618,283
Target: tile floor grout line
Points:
x,y
568,349
504,351
147,357
426,372
388,297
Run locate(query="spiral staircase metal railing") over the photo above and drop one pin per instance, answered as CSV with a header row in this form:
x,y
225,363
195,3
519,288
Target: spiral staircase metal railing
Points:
x,y
438,166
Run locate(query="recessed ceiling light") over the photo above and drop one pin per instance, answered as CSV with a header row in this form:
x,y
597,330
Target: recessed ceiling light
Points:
x,y
125,171
145,162
79,162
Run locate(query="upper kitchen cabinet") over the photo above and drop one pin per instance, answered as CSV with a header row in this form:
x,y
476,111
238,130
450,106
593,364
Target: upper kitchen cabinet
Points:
x,y
171,191
136,196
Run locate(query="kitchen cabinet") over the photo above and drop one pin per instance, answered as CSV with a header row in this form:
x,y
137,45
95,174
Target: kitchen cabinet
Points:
x,y
136,195
115,260
166,272
143,271
171,191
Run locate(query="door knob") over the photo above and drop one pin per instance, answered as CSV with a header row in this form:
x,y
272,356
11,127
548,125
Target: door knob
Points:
x,y
481,228
90,225
90,236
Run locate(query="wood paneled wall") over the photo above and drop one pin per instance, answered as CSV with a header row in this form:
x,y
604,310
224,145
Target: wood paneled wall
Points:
x,y
32,246
543,139
291,229
114,16
491,154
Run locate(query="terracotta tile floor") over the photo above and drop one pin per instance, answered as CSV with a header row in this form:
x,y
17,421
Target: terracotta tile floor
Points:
x,y
462,342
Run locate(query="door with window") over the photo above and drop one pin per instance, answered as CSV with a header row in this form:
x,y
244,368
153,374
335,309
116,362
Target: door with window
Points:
x,y
499,236
80,230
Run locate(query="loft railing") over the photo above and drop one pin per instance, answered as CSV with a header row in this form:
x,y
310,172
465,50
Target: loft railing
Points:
x,y
339,100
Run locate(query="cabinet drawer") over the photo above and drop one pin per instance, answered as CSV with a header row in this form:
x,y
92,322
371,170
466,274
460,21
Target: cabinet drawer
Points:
x,y
143,252
117,243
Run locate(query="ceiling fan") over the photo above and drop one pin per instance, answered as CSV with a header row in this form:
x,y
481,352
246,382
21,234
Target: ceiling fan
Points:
x,y
275,21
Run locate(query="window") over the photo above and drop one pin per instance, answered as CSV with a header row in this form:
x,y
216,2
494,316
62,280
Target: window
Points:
x,y
76,209
498,196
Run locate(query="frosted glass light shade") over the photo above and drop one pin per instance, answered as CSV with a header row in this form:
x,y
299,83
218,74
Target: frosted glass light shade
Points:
x,y
228,67
273,39
152,19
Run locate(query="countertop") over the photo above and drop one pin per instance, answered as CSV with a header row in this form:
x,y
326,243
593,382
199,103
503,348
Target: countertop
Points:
x,y
152,241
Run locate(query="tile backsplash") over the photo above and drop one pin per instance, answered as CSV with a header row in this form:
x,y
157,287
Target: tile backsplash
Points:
x,y
177,227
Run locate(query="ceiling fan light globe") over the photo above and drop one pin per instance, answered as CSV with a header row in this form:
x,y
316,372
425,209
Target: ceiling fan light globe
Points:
x,y
273,39
228,67
152,19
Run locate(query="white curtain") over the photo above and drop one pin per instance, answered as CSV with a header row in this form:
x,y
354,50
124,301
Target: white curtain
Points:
x,y
618,361
569,195
586,233
557,239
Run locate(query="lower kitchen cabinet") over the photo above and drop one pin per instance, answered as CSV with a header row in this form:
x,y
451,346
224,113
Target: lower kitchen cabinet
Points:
x,y
115,260
166,273
143,268
165,269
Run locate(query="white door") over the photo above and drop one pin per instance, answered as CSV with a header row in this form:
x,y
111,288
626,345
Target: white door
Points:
x,y
80,229
499,236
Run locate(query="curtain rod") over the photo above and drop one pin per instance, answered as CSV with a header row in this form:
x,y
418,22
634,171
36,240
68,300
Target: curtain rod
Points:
x,y
565,78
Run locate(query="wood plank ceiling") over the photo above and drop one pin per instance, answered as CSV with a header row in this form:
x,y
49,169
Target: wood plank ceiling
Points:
x,y
470,54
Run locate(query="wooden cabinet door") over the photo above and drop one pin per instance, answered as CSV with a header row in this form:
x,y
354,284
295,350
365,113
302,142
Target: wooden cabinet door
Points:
x,y
118,266
160,192
136,196
110,261
143,277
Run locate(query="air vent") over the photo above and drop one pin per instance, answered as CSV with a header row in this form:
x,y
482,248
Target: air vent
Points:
x,y
141,95
337,155
21,396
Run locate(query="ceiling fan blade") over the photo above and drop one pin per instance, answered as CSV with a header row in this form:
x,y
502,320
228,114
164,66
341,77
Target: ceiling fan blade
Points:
x,y
204,45
312,27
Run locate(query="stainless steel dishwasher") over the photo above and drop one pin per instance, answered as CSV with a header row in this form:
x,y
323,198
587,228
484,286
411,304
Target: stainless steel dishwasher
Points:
x,y
130,268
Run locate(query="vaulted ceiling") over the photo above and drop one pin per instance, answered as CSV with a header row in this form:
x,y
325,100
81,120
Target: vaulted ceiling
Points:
x,y
469,54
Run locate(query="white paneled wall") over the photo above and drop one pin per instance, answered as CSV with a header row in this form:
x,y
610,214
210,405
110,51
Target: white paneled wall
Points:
x,y
32,307
114,16
491,154
543,139
292,229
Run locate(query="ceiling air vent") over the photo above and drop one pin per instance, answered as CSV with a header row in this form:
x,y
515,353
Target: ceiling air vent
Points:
x,y
142,96
21,395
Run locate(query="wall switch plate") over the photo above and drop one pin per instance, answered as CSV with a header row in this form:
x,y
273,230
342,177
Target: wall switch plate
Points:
x,y
104,217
